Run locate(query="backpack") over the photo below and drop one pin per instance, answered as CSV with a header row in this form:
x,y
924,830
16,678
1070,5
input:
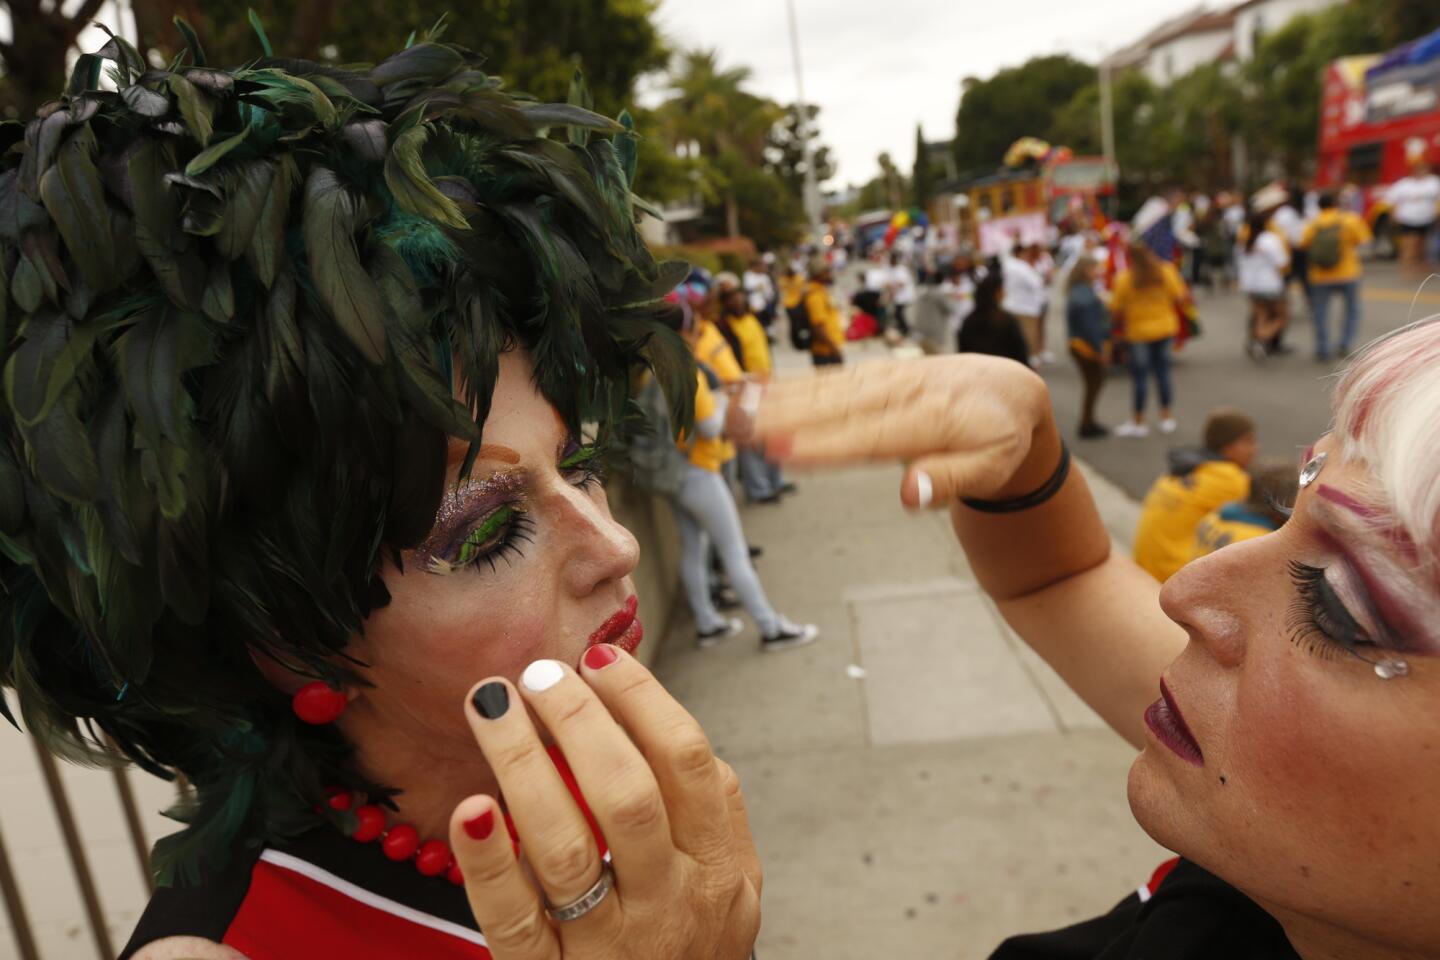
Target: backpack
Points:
x,y
1325,247
800,335
657,465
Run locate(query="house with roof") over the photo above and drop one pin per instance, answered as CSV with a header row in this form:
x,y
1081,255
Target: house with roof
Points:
x,y
1255,18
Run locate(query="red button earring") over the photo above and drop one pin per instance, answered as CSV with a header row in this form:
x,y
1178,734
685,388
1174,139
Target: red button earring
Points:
x,y
319,703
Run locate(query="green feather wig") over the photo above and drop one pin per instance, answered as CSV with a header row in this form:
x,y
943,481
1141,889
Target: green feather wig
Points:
x,y
234,305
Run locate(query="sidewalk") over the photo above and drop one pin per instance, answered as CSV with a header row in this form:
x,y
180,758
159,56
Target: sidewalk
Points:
x,y
920,784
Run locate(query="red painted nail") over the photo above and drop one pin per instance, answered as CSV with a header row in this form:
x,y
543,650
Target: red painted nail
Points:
x,y
600,656
481,826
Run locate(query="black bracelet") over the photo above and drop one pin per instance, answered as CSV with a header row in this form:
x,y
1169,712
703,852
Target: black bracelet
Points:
x,y
1047,490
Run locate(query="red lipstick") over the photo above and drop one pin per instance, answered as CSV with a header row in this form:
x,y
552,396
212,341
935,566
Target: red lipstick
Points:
x,y
1166,722
623,629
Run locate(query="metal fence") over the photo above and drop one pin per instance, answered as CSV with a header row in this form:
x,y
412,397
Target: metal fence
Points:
x,y
74,852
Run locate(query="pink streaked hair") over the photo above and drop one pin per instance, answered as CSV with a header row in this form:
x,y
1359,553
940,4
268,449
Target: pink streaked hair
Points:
x,y
1387,413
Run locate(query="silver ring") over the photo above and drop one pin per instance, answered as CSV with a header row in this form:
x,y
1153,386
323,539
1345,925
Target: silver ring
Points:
x,y
588,901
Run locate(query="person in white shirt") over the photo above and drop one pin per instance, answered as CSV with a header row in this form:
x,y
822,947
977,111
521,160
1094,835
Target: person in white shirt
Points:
x,y
1261,259
1415,203
1026,297
760,292
900,286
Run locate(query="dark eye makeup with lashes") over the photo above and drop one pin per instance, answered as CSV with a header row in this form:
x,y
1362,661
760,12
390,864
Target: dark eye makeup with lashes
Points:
x,y
1320,622
484,522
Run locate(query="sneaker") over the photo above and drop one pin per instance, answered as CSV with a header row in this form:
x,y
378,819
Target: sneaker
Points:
x,y
1168,425
1257,351
1093,431
708,638
789,635
1132,430
1046,358
788,488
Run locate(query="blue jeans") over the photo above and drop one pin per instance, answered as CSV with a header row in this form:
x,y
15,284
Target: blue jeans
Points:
x,y
1145,357
1320,313
760,477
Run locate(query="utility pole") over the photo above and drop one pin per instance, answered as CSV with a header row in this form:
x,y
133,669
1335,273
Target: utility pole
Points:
x,y
1107,124
812,192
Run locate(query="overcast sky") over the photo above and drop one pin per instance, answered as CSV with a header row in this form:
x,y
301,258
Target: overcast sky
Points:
x,y
877,67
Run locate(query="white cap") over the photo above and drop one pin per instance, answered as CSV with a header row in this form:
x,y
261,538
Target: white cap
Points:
x,y
1273,195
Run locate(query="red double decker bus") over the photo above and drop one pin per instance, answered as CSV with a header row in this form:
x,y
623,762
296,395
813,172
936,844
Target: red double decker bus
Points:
x,y
1379,113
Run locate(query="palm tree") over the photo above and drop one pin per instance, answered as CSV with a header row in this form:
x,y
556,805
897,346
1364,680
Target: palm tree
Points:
x,y
711,113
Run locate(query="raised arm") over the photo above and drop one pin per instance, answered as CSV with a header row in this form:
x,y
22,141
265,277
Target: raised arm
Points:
x,y
981,427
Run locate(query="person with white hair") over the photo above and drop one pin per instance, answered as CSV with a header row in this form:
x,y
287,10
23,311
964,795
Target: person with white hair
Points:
x,y
1281,693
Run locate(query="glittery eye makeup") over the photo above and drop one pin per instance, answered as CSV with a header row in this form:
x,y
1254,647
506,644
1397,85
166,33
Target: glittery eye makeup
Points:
x,y
484,520
480,520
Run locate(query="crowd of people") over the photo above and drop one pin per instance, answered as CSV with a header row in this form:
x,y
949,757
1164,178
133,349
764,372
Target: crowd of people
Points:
x,y
719,317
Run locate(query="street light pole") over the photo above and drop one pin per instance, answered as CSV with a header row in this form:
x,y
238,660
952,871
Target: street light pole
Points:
x,y
812,193
1107,123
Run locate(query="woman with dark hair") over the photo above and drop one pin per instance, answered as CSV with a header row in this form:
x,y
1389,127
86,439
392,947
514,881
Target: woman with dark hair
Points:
x,y
989,328
1088,323
1261,259
310,375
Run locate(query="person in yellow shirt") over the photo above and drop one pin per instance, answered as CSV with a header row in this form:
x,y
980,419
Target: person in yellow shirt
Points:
x,y
827,328
705,513
747,331
1274,484
761,478
1197,482
712,349
1332,241
1146,301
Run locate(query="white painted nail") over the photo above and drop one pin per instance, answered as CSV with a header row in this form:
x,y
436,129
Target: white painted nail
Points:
x,y
542,675
924,489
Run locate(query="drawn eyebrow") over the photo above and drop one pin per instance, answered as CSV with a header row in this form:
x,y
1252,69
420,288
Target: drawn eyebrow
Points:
x,y
489,451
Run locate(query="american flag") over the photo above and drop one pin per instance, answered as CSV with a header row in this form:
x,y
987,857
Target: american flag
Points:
x,y
1160,237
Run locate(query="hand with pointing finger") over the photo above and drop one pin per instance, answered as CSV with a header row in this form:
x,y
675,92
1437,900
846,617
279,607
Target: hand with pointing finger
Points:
x,y
966,425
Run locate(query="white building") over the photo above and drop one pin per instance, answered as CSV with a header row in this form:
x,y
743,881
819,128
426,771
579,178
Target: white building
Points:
x,y
1255,18
1202,35
1205,38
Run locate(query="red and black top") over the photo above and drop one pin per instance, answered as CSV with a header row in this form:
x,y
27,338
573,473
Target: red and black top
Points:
x,y
320,895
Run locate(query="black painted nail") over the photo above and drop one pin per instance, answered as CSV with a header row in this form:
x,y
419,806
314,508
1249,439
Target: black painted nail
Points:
x,y
492,700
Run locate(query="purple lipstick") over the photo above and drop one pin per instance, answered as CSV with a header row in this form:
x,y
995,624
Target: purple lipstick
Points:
x,y
1167,723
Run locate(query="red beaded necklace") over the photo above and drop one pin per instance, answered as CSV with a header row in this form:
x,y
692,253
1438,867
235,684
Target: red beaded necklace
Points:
x,y
399,841
432,858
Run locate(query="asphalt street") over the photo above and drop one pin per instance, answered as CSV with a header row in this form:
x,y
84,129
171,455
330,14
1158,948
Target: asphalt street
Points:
x,y
1289,396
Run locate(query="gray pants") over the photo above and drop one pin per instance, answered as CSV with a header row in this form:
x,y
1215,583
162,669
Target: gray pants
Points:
x,y
705,512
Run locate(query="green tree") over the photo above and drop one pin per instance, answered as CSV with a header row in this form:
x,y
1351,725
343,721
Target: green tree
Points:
x,y
534,44
1016,102
710,109
1133,99
785,157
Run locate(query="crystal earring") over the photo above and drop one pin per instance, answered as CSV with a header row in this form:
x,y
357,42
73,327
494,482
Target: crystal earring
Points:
x,y
1312,469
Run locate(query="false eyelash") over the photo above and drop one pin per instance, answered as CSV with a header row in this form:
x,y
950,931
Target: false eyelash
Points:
x,y
1310,610
520,530
1286,510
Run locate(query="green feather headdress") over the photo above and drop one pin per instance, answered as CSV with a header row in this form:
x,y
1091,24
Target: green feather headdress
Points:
x,y
232,307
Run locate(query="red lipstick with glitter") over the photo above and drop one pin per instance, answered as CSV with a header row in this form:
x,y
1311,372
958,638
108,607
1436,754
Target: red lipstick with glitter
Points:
x,y
623,629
